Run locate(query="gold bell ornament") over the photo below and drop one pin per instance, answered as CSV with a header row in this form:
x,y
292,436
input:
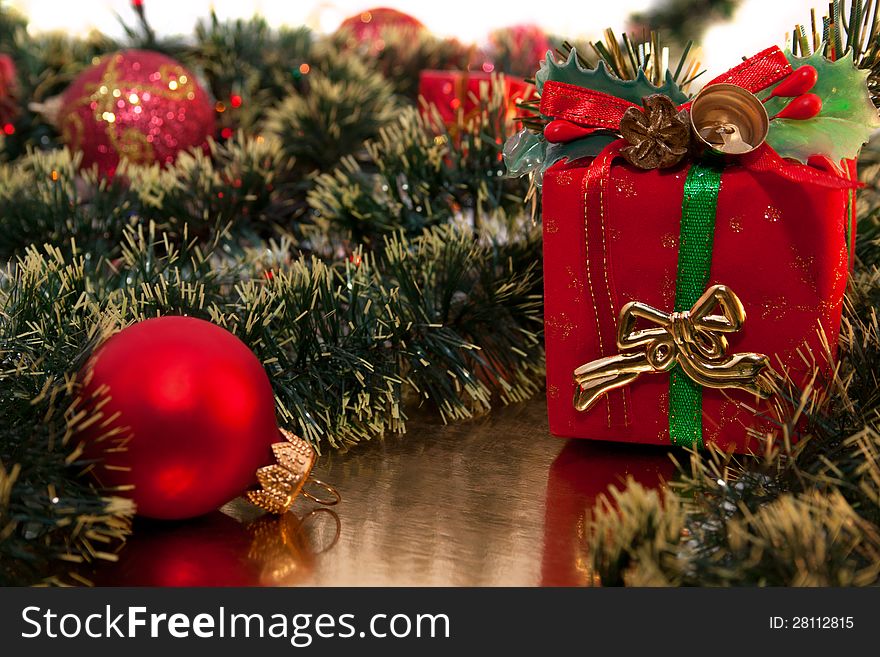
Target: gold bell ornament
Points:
x,y
729,120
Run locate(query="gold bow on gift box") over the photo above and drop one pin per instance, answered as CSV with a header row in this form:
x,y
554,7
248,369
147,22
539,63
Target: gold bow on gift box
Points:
x,y
693,339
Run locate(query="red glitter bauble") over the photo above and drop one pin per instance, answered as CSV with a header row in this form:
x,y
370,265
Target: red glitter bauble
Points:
x,y
187,415
135,105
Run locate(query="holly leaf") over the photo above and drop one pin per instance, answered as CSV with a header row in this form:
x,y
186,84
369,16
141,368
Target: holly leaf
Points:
x,y
574,150
523,153
527,152
601,79
847,118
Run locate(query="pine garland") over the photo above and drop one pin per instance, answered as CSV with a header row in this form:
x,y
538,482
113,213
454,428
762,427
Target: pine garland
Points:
x,y
413,178
442,317
347,104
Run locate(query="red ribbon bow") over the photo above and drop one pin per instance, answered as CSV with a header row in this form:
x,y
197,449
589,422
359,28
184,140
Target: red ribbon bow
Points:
x,y
594,110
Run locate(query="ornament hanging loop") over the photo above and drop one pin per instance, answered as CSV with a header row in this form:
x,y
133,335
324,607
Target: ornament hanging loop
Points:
x,y
314,513
332,495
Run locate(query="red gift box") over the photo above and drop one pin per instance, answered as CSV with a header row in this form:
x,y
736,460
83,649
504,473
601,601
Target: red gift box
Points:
x,y
452,92
780,245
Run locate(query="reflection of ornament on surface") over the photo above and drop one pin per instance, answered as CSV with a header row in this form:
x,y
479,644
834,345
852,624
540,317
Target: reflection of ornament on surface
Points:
x,y
183,415
580,474
282,482
208,551
135,105
692,339
283,548
659,136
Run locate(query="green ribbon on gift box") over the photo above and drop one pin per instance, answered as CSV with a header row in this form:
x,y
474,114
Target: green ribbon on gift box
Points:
x,y
696,236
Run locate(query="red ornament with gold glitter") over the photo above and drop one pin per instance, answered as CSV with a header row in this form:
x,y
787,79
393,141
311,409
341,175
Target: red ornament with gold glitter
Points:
x,y
135,105
187,416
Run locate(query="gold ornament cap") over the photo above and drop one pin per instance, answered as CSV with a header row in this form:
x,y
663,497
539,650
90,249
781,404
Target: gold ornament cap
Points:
x,y
281,483
728,119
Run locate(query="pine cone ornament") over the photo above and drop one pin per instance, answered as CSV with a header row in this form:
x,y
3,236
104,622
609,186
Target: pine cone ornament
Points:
x,y
659,136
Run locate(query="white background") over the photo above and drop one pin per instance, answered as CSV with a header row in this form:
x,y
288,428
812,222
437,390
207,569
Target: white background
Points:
x,y
756,24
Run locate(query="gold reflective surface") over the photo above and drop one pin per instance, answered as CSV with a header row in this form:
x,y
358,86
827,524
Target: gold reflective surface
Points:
x,y
493,501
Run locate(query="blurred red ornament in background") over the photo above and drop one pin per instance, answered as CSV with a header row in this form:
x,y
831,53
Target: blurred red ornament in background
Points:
x,y
188,415
518,49
368,25
454,91
135,105
9,107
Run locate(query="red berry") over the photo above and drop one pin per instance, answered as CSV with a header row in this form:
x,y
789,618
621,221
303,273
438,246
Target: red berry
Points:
x,y
797,83
560,131
805,106
824,163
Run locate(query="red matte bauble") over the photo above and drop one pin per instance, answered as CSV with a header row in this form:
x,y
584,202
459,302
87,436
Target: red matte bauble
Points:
x,y
135,105
191,408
